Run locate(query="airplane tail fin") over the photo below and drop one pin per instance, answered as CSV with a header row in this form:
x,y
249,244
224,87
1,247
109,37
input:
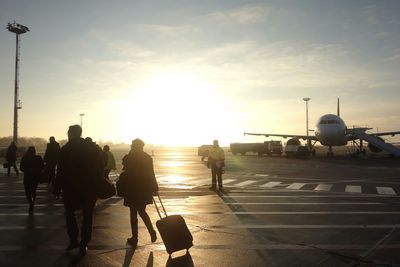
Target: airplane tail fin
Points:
x,y
338,107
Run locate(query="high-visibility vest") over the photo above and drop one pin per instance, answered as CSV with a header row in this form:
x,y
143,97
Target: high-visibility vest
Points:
x,y
216,153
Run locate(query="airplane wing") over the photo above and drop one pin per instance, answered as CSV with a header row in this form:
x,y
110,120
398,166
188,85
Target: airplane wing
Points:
x,y
304,137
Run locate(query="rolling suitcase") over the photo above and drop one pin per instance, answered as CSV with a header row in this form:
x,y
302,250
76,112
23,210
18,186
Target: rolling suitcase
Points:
x,y
173,230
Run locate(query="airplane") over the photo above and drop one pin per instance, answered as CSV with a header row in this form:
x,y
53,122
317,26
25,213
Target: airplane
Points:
x,y
331,130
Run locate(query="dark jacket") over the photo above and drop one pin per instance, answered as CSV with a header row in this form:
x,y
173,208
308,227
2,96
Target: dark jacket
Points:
x,y
140,180
32,167
11,155
79,172
52,153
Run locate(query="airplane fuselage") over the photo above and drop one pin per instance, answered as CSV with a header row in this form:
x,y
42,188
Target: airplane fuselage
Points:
x,y
330,130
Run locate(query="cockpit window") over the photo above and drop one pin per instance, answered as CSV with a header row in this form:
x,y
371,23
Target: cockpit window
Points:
x,y
329,122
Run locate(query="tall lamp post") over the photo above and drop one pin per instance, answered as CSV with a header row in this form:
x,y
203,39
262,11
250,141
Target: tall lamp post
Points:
x,y
82,114
18,29
306,99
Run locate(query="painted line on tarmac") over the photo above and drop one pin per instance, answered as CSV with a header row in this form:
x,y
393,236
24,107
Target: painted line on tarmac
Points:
x,y
180,212
295,186
193,204
245,183
304,226
323,187
227,181
270,184
353,189
294,247
237,226
160,247
385,190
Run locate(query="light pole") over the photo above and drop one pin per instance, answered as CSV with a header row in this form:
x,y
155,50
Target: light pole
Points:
x,y
18,29
306,99
82,114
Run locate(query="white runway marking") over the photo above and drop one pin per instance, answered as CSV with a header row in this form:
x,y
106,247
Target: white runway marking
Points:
x,y
227,181
270,184
261,175
385,190
323,187
306,226
295,186
245,183
353,189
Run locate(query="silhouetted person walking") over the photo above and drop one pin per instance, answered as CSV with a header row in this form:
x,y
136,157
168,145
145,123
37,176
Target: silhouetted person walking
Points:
x,y
140,185
109,161
11,158
51,159
79,172
216,161
31,165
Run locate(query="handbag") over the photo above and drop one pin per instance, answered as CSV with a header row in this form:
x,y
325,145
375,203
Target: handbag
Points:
x,y
106,189
121,185
44,175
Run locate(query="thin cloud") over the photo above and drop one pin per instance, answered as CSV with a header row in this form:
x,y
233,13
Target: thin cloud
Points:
x,y
249,14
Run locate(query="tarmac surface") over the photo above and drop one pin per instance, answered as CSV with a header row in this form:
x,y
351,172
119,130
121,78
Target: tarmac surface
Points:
x,y
274,212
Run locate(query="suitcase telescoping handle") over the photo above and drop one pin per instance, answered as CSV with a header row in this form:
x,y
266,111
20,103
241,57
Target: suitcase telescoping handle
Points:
x,y
158,211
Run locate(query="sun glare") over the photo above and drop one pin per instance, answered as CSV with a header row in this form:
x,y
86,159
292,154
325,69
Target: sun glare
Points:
x,y
171,109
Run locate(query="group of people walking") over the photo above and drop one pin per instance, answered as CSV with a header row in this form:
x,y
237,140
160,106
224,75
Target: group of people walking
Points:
x,y
76,170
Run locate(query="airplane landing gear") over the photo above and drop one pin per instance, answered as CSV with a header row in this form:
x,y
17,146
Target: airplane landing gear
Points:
x,y
330,152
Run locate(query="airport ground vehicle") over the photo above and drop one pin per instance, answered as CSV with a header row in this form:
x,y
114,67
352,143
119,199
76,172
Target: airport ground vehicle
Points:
x,y
269,148
202,151
243,148
273,148
294,148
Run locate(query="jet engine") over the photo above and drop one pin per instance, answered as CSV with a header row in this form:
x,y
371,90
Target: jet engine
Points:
x,y
374,148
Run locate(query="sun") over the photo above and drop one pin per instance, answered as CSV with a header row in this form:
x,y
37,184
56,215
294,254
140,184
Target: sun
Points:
x,y
174,108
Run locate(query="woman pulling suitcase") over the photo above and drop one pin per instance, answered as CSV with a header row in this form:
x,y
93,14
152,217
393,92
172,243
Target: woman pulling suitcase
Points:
x,y
139,183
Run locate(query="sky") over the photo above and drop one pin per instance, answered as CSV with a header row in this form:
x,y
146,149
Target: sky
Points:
x,y
188,72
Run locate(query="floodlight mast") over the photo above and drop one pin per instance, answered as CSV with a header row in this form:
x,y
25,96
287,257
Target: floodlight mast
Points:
x,y
18,29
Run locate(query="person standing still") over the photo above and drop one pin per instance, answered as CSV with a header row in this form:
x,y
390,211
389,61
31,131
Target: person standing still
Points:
x,y
31,165
11,158
109,161
216,161
79,172
51,159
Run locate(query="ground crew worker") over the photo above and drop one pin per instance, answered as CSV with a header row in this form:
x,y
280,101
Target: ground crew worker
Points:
x,y
216,161
109,161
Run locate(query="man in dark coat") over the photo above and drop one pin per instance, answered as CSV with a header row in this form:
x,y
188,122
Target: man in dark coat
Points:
x,y
79,172
51,158
11,158
140,185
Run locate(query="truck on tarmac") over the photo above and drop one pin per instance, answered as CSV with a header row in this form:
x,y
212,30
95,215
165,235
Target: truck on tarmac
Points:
x,y
267,148
273,148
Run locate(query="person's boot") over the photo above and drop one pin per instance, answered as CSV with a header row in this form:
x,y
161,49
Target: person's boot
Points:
x,y
82,249
72,245
153,235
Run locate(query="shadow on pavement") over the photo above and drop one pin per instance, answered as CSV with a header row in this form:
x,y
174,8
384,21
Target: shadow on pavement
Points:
x,y
182,261
128,256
